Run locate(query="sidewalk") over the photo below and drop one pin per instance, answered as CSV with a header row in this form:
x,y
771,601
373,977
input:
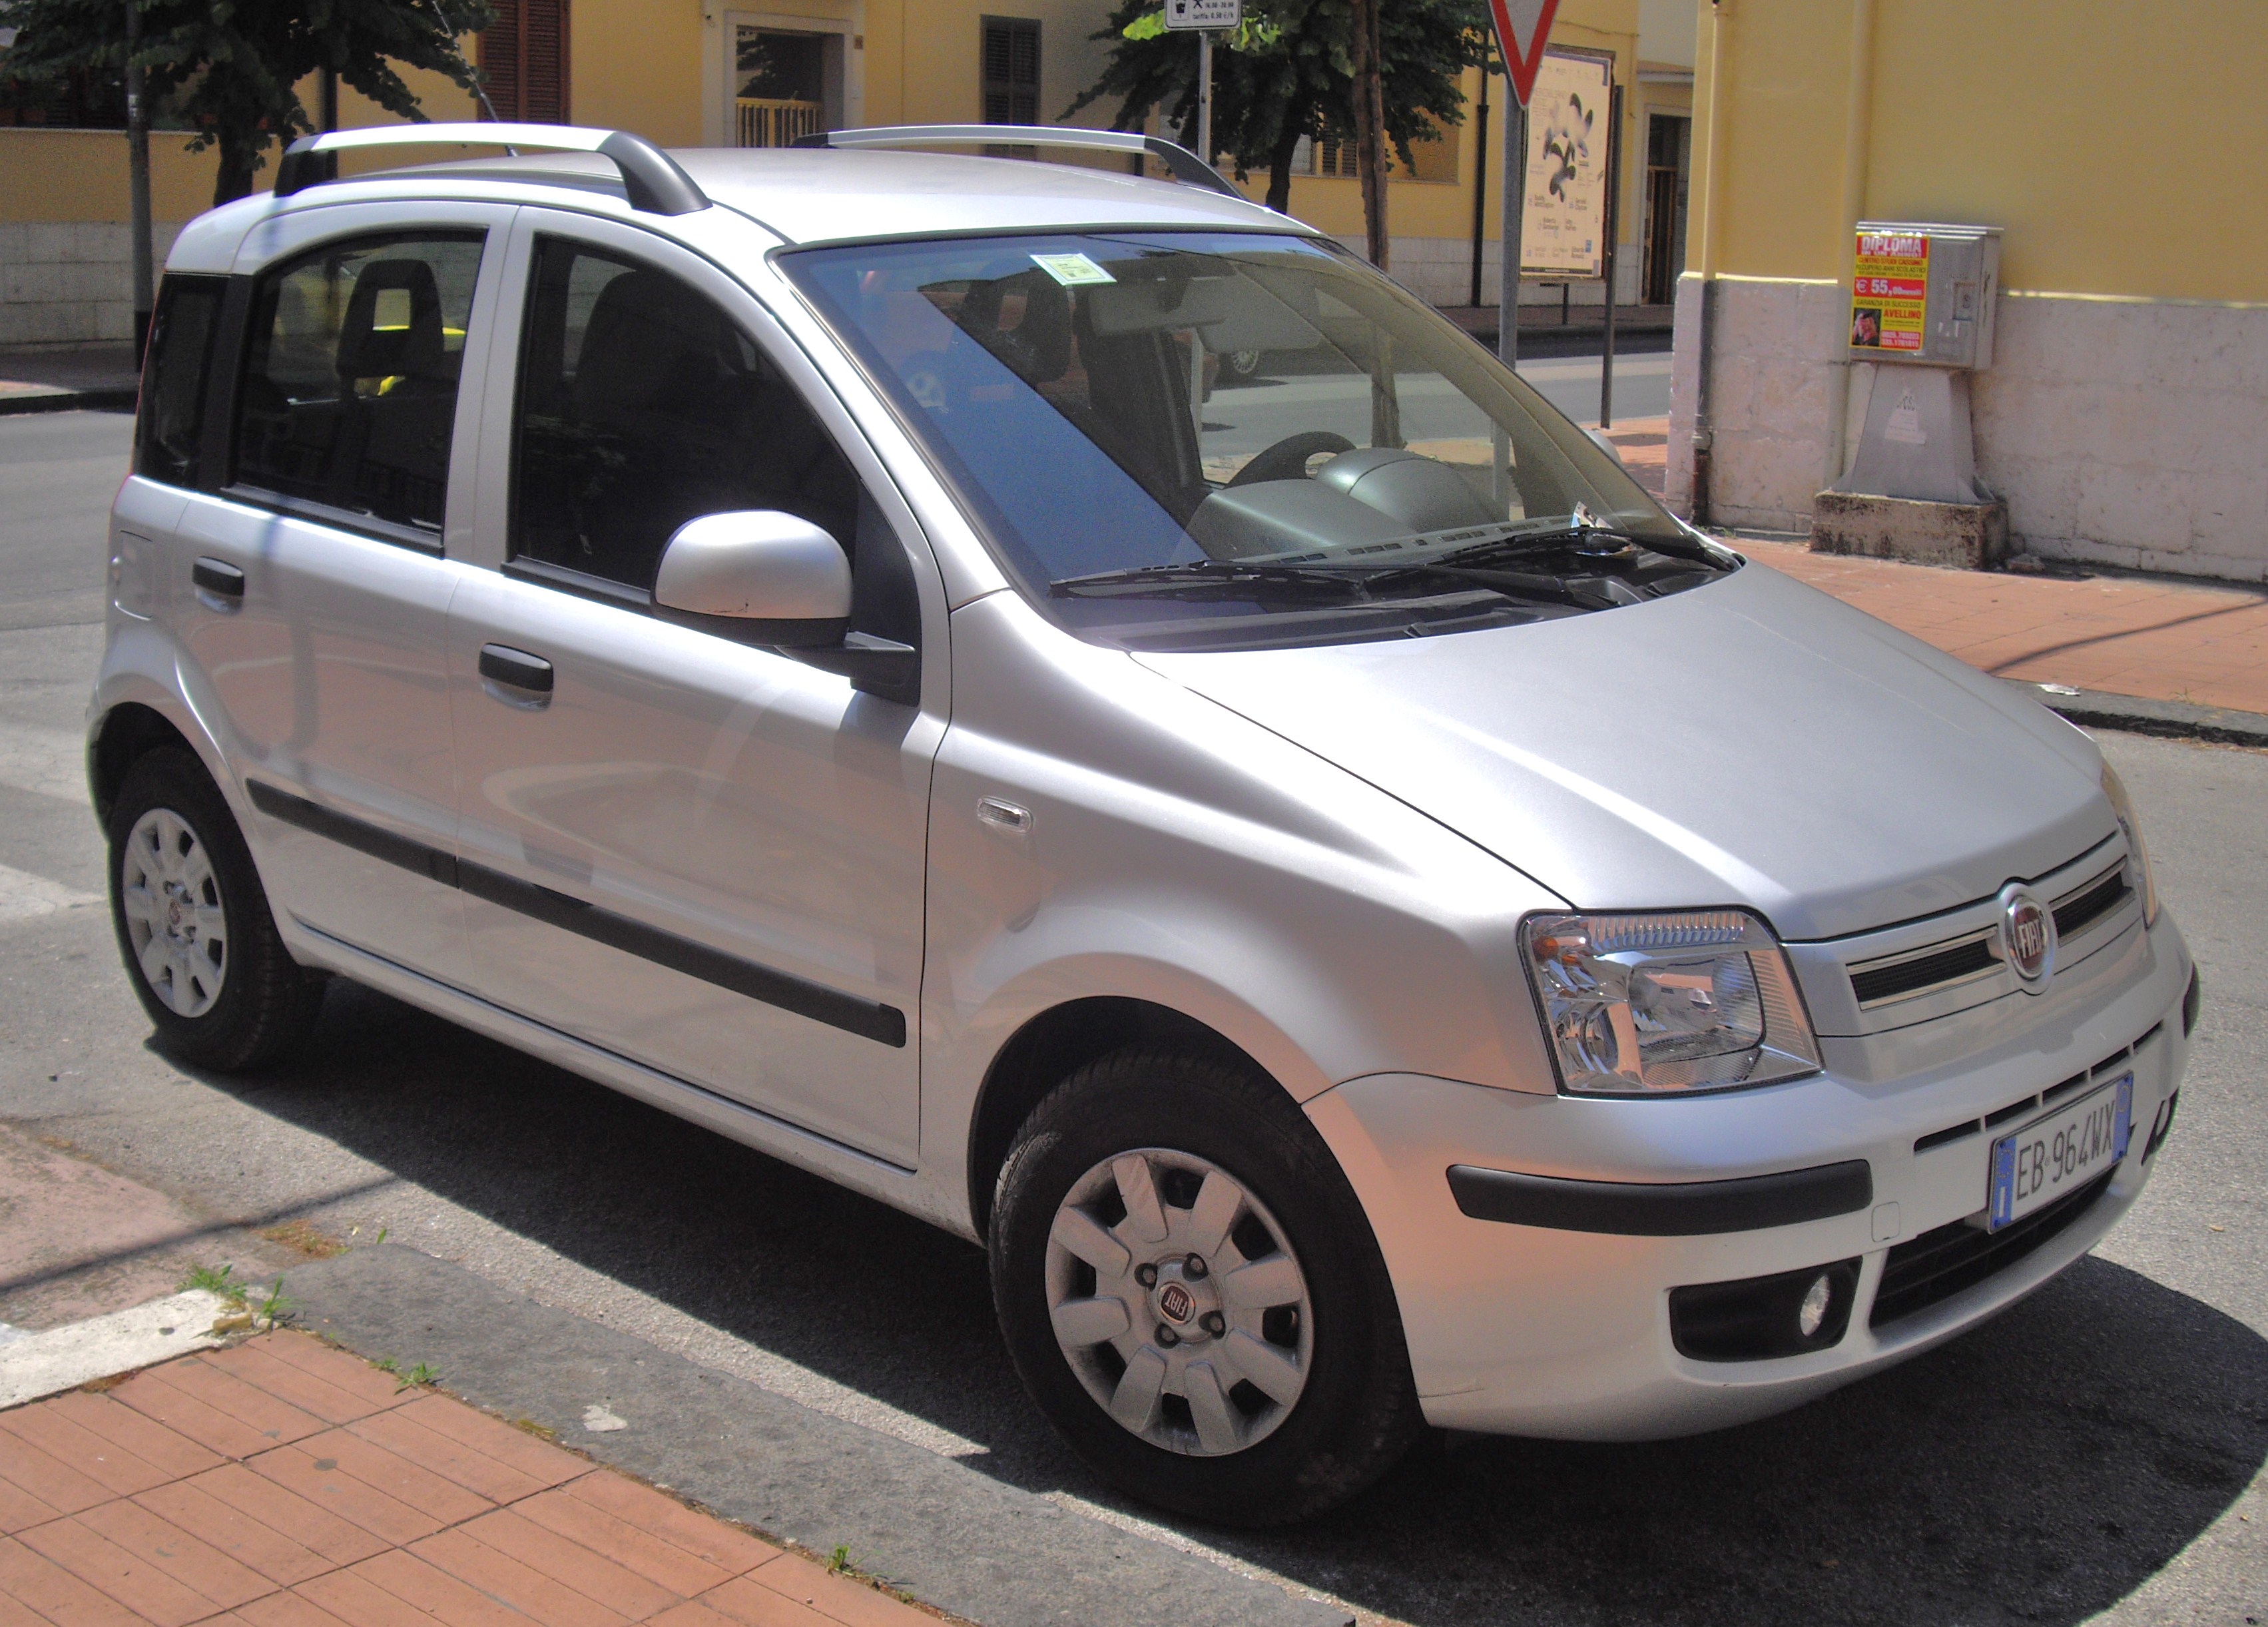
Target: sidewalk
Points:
x,y
285,1483
65,378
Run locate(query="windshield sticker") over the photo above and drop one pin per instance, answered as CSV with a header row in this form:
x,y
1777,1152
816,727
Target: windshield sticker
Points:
x,y
1072,270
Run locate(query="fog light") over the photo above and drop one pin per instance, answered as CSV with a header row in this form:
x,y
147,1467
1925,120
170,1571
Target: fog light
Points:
x,y
1786,1313
1811,1315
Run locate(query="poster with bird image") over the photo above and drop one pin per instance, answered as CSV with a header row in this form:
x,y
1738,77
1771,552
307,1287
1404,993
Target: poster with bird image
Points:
x,y
1564,227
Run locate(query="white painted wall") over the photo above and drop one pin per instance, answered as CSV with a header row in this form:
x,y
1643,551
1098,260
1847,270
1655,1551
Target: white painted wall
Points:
x,y
2126,432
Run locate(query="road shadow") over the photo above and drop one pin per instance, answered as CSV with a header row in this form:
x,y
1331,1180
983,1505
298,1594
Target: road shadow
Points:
x,y
2041,1468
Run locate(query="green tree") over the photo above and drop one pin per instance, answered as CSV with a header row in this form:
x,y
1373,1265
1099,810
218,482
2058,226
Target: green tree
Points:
x,y
1289,72
231,69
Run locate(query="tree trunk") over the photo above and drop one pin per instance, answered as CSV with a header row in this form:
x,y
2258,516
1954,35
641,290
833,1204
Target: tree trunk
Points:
x,y
1280,168
233,179
1370,128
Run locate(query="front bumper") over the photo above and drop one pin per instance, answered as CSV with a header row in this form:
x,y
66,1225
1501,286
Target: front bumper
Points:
x,y
1524,1329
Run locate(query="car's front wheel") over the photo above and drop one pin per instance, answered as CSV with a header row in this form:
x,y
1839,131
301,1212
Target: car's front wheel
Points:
x,y
1191,1291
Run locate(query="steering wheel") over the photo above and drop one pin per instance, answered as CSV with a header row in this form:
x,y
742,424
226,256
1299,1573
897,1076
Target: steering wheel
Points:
x,y
1287,459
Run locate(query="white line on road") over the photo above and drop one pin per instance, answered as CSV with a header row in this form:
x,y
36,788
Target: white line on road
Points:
x,y
24,895
49,762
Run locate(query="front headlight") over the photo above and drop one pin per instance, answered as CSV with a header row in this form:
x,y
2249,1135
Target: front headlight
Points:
x,y
2123,805
1647,1005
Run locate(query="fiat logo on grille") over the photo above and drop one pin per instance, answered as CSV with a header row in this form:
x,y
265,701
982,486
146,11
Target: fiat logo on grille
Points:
x,y
2027,935
1177,1302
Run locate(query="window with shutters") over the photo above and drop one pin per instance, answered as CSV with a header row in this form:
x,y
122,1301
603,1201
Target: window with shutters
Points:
x,y
1012,71
524,60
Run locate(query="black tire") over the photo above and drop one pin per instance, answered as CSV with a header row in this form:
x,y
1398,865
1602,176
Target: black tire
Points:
x,y
265,1002
1358,1410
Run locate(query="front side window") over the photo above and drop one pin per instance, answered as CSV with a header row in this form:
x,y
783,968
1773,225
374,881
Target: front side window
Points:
x,y
169,436
1212,440
349,390
642,405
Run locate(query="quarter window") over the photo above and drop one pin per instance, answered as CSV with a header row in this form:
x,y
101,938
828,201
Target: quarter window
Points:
x,y
641,406
350,394
169,437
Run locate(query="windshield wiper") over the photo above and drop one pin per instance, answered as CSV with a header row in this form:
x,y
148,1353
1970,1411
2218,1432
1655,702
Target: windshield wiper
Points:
x,y
1203,578
1582,528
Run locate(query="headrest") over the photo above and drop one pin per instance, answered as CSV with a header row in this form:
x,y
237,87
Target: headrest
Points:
x,y
648,334
383,338
1038,349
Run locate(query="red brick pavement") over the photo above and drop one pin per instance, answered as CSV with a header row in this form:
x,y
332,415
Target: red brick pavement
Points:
x,y
2164,641
285,1483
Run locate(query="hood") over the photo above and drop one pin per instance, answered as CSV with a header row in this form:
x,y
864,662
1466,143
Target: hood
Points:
x,y
1752,741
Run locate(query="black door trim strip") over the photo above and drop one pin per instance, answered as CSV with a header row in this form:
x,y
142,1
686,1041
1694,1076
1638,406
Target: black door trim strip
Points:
x,y
1688,1208
867,1019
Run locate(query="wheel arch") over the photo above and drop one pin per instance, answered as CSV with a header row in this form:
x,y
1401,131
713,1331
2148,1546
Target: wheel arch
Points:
x,y
1051,1046
130,731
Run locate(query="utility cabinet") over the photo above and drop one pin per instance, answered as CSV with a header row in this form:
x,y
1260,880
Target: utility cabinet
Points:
x,y
1924,293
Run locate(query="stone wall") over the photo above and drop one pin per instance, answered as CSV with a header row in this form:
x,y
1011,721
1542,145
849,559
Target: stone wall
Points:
x,y
2120,431
70,282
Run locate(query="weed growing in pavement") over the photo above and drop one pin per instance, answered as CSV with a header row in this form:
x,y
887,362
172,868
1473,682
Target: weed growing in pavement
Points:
x,y
303,1237
541,1431
387,1363
222,1282
276,1305
839,1561
417,1378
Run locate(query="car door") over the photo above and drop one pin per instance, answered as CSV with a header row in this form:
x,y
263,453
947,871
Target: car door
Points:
x,y
700,854
313,569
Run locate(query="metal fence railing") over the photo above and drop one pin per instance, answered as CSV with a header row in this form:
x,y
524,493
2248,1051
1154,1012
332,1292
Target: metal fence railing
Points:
x,y
766,122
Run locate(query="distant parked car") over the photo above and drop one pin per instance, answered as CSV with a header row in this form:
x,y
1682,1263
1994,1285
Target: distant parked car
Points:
x,y
1371,920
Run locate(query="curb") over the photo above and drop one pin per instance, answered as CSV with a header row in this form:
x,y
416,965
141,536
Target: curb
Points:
x,y
39,1364
67,400
2178,720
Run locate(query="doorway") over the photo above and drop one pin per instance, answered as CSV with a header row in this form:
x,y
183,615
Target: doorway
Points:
x,y
1668,152
786,82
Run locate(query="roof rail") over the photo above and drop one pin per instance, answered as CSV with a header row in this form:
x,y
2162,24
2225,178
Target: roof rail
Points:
x,y
1185,164
653,181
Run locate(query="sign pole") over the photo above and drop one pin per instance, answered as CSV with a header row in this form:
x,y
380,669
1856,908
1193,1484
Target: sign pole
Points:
x,y
1522,28
1204,95
1614,226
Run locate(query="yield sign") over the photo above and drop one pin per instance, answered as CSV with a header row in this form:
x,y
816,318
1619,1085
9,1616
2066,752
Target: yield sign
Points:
x,y
1521,28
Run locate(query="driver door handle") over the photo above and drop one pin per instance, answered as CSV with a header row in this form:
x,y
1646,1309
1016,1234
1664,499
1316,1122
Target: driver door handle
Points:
x,y
516,669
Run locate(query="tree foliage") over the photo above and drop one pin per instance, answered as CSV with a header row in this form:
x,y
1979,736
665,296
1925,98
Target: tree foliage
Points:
x,y
1289,73
231,69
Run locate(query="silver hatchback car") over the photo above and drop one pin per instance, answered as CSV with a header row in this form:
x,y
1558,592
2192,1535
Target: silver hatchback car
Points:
x,y
1369,920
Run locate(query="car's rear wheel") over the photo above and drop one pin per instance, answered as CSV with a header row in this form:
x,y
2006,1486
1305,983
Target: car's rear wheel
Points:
x,y
201,947
1191,1291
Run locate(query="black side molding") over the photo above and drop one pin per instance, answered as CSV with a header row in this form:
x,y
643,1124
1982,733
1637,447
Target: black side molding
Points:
x,y
867,1019
1642,1209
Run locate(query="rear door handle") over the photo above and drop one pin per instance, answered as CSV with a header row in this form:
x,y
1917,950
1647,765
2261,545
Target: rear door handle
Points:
x,y
516,669
218,576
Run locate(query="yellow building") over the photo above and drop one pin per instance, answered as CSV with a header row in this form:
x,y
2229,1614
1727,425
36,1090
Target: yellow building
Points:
x,y
705,73
2125,419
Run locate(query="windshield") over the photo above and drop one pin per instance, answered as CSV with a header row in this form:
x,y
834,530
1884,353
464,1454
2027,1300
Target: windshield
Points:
x,y
1215,440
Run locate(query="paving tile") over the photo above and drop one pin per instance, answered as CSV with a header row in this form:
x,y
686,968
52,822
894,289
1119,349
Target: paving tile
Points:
x,y
612,1574
692,1614
516,1449
56,1483
435,1594
106,1463
806,1589
321,1482
195,1563
451,1459
446,1501
281,1509
19,1507
250,1407
338,1368
699,1534
134,1581
333,1404
285,1609
358,1602
743,1603
276,1556
663,1564
15,1615
551,1598
57,1596
162,1448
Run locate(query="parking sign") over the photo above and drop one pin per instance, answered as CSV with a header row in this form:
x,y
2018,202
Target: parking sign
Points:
x,y
1221,14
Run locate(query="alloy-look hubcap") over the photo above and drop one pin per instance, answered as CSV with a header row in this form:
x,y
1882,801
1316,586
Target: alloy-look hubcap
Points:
x,y
1178,1302
175,922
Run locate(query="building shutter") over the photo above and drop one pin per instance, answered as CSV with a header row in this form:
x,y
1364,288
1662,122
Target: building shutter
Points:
x,y
1012,71
524,58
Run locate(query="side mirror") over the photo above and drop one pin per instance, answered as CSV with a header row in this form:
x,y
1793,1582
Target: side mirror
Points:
x,y
757,576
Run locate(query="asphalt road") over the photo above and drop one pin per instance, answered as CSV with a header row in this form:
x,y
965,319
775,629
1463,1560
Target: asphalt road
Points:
x,y
2096,1452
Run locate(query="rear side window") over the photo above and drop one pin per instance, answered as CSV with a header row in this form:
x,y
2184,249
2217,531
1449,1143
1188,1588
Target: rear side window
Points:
x,y
642,405
350,392
169,435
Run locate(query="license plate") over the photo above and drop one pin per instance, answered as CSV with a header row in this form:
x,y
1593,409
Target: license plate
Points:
x,y
2059,1152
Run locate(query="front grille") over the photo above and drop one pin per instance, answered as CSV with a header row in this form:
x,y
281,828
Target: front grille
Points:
x,y
2075,915
1939,1264
1877,983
